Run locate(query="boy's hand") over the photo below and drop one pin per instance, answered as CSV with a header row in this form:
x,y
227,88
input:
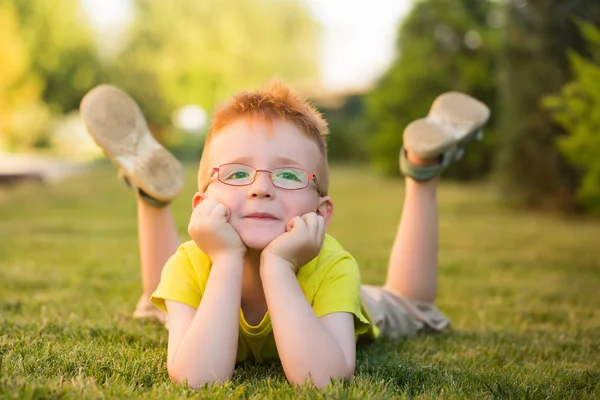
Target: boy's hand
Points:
x,y
301,243
213,234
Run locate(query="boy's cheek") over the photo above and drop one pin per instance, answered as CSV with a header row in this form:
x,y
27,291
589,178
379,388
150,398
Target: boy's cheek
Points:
x,y
221,198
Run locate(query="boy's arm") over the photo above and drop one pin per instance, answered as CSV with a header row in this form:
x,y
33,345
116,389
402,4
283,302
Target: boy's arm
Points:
x,y
309,348
203,343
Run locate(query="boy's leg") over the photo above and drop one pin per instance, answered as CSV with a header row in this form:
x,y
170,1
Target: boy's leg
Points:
x,y
413,264
430,145
158,240
116,123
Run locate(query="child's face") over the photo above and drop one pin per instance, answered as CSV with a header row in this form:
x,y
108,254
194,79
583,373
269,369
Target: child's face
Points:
x,y
260,211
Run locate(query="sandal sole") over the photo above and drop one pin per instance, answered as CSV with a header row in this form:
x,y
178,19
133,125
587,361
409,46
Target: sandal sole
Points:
x,y
117,125
454,119
462,114
426,140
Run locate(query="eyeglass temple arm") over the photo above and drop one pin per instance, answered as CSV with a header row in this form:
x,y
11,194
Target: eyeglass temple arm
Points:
x,y
215,169
316,181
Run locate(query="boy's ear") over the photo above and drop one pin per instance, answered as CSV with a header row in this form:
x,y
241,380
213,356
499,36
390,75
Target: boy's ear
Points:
x,y
197,199
325,209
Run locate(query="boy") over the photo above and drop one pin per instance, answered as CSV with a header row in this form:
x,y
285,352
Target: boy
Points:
x,y
260,279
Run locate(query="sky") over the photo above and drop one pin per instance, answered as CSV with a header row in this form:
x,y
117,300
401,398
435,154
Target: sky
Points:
x,y
357,43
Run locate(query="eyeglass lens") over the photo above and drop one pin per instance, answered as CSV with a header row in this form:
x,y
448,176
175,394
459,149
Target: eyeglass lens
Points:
x,y
241,174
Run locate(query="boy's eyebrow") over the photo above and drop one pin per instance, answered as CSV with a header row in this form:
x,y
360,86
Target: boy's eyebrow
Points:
x,y
279,161
284,161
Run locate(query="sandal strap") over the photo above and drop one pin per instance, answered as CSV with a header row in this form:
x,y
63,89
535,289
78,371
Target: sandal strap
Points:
x,y
140,194
424,173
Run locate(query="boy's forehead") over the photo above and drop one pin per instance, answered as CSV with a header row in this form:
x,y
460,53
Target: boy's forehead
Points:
x,y
279,142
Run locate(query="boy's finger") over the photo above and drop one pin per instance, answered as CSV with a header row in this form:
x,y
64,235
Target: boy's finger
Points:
x,y
220,212
321,229
295,224
312,223
205,207
308,217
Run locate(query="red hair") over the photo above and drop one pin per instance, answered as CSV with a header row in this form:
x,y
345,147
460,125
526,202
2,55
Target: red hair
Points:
x,y
276,102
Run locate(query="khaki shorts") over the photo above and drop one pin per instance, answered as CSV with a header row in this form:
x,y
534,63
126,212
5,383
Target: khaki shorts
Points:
x,y
397,316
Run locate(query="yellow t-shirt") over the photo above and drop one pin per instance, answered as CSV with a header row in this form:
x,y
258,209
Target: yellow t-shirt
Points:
x,y
330,282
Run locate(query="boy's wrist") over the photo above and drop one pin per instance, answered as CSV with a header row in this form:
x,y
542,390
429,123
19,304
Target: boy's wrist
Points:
x,y
272,263
228,259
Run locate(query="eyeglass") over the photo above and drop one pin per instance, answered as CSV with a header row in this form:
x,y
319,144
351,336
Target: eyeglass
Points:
x,y
288,178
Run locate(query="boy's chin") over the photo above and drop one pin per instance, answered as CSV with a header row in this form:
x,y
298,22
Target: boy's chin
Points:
x,y
258,241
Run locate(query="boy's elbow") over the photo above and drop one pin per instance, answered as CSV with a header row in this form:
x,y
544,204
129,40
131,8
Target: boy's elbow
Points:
x,y
319,379
200,380
176,376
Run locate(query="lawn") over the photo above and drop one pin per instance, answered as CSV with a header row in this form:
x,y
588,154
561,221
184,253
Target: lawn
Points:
x,y
522,290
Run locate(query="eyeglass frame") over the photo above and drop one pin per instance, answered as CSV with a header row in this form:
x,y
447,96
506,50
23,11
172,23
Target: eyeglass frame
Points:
x,y
312,177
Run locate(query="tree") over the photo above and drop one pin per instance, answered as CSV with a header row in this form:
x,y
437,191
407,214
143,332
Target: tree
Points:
x,y
531,171
48,63
198,52
577,109
442,45
62,49
20,91
348,128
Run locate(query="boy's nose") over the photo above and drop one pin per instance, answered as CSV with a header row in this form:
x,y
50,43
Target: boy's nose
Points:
x,y
262,185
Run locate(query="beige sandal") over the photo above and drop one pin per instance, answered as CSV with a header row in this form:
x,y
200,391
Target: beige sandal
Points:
x,y
146,310
118,126
454,120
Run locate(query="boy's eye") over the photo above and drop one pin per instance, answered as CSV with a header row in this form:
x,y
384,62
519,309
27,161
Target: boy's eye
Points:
x,y
238,175
289,175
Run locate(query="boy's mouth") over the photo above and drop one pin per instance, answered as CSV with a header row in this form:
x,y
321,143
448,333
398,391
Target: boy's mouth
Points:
x,y
261,216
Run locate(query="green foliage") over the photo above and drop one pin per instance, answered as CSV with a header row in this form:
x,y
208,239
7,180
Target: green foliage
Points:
x,y
20,91
62,48
523,299
531,171
201,52
443,45
171,55
348,129
48,63
577,109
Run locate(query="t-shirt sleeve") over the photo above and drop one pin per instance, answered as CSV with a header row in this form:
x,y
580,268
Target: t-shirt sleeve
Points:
x,y
178,282
339,291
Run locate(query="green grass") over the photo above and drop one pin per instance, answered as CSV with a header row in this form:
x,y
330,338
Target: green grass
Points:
x,y
522,290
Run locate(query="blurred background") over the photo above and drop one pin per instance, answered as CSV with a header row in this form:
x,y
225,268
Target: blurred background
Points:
x,y
370,67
